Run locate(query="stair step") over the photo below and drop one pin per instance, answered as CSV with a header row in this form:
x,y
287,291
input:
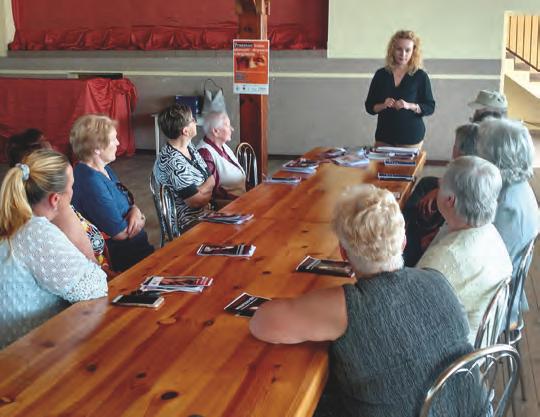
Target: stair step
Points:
x,y
521,66
534,76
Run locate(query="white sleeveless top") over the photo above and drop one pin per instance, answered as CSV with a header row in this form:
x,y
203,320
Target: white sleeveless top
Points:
x,y
231,176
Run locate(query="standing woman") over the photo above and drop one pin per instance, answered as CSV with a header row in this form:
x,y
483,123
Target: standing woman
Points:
x,y
40,269
400,94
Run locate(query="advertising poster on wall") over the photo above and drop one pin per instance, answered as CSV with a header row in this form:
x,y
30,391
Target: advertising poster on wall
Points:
x,y
250,59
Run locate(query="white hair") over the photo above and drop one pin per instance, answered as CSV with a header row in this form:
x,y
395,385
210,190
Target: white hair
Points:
x,y
475,183
370,227
213,120
508,144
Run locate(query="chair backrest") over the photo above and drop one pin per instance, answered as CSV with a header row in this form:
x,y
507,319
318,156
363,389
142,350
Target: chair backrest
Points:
x,y
494,320
518,284
247,159
478,384
163,198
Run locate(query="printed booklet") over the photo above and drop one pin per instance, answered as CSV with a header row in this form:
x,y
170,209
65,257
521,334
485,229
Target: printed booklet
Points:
x,y
302,165
176,283
325,267
245,304
217,217
283,180
352,160
241,249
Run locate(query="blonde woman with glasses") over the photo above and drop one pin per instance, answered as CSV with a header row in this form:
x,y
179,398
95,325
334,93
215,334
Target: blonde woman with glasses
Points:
x,y
41,271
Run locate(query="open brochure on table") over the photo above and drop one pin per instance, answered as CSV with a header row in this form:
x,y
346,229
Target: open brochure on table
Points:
x,y
301,165
176,283
325,267
241,249
245,304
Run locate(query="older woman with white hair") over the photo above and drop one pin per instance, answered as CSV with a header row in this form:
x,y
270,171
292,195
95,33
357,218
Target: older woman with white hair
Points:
x,y
392,331
508,144
220,159
467,199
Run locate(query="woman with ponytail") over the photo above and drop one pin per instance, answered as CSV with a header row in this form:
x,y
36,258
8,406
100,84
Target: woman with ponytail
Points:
x,y
41,271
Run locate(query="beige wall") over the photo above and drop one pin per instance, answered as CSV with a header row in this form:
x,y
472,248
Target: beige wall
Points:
x,y
461,29
7,28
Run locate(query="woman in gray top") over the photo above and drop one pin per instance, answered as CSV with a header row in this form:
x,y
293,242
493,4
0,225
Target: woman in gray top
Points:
x,y
393,331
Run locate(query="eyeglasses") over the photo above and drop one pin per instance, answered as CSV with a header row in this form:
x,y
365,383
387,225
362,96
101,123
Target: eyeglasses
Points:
x,y
127,193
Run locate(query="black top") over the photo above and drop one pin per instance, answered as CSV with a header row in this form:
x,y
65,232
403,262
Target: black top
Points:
x,y
400,127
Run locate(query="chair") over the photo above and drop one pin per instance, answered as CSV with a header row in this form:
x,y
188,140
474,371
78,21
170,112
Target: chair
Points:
x,y
493,322
515,326
163,198
247,159
473,385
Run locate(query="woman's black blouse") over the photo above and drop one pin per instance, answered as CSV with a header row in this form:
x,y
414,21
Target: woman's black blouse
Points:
x,y
400,127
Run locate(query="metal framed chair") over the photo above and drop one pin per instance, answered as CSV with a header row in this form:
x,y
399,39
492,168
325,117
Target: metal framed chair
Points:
x,y
473,385
163,198
515,325
247,159
494,320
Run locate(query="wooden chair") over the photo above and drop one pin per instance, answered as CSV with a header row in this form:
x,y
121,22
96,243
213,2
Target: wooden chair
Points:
x,y
474,385
493,322
163,198
247,159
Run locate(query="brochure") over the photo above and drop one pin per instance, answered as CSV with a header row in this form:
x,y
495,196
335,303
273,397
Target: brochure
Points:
x,y
241,249
217,217
396,150
176,283
245,304
302,165
325,267
351,160
283,180
383,176
333,153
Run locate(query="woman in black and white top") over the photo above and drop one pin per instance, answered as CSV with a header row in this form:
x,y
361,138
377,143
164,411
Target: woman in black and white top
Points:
x,y
180,166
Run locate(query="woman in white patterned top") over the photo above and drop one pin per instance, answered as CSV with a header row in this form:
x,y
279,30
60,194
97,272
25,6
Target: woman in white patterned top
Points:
x,y
180,166
41,271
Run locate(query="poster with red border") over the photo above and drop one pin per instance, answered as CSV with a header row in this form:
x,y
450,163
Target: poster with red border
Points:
x,y
251,59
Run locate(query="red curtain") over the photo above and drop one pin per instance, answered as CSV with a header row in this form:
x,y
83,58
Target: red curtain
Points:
x,y
159,24
53,105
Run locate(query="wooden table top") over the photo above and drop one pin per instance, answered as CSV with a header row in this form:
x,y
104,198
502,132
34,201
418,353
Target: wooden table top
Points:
x,y
189,357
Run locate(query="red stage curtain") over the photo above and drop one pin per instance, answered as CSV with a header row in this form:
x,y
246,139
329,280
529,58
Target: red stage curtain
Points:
x,y
159,24
53,105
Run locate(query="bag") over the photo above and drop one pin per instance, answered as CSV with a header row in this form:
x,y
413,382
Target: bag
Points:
x,y
214,101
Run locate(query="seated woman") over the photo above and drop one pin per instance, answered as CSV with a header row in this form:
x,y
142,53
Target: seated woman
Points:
x,y
422,218
101,197
467,199
180,166
508,145
388,343
40,269
220,159
83,234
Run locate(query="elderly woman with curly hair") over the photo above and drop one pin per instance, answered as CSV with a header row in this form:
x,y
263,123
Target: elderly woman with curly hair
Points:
x,y
99,195
388,343
508,144
400,94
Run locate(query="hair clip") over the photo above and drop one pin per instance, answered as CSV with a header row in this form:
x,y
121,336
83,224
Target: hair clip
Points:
x,y
25,170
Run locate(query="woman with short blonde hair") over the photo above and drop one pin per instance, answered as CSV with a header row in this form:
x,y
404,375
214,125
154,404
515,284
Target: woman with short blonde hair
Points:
x,y
99,195
400,94
40,268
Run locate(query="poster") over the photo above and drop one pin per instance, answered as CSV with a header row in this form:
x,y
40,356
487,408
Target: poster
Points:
x,y
250,59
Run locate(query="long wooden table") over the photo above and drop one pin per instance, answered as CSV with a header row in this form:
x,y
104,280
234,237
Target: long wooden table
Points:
x,y
190,358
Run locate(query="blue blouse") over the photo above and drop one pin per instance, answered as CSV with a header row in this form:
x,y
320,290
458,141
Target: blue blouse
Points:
x,y
100,199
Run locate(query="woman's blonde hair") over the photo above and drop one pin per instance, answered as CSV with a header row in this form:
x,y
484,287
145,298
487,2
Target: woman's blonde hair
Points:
x,y
370,227
47,174
89,133
415,62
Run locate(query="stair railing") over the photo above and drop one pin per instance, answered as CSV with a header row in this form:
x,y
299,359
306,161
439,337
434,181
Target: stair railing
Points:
x,y
523,39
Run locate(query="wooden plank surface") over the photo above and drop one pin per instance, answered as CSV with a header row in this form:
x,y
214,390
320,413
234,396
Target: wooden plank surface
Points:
x,y
190,357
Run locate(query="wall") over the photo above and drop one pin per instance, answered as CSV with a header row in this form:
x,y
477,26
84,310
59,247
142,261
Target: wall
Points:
x,y
316,97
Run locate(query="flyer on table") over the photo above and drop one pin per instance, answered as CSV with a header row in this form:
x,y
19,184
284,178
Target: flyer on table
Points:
x,y
251,59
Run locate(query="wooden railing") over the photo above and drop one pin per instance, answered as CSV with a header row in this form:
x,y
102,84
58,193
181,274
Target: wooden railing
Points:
x,y
523,39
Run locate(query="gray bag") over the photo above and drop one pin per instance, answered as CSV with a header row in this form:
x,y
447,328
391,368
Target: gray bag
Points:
x,y
214,100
